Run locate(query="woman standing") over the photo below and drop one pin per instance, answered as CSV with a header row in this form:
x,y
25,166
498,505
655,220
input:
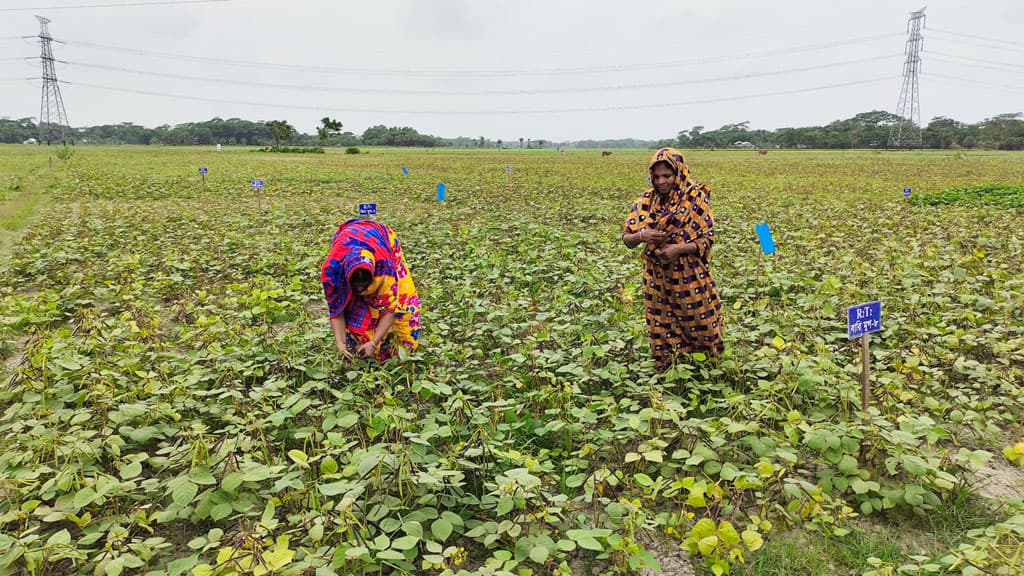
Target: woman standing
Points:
x,y
372,301
673,220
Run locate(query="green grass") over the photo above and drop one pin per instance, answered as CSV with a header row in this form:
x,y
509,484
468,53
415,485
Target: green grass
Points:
x,y
889,537
20,207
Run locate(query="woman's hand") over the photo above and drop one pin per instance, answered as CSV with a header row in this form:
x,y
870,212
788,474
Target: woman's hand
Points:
x,y
652,236
367,350
670,253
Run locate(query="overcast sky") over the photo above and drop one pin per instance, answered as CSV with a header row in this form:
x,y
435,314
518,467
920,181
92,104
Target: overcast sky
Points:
x,y
540,69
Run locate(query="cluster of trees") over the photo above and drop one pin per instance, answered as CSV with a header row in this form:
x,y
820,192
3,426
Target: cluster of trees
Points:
x,y
482,142
394,136
865,130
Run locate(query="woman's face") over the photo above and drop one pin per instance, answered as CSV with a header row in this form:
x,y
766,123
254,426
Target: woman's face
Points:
x,y
662,177
360,281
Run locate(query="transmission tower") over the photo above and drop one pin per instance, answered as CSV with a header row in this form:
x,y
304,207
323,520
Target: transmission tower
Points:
x,y
906,132
53,119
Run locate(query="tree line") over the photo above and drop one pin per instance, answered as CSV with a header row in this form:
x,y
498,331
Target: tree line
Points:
x,y
864,130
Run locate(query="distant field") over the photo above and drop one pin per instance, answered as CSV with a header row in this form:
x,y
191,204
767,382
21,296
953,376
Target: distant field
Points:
x,y
172,401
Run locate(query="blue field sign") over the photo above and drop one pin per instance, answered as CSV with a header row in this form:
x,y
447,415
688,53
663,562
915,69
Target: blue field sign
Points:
x,y
441,191
508,168
203,170
906,192
764,235
257,184
863,319
405,171
367,209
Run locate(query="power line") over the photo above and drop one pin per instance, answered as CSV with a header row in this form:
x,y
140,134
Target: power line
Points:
x,y
515,92
967,42
973,83
976,62
112,5
976,37
979,60
419,72
491,112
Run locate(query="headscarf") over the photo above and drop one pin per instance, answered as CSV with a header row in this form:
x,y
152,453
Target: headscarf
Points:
x,y
358,244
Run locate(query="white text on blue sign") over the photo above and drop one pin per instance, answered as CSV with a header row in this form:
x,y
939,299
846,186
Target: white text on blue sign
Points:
x,y
864,319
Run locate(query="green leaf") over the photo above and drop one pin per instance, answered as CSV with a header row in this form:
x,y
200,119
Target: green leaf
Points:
x,y
413,528
131,470
114,567
441,529
220,512
979,458
176,567
368,463
539,554
356,551
184,493
576,480
84,497
585,539
390,555
202,477
405,542
848,465
589,543
505,504
335,488
59,538
729,471
299,457
231,482
328,465
348,420
913,465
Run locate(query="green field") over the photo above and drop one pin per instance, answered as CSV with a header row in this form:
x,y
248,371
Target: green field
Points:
x,y
172,401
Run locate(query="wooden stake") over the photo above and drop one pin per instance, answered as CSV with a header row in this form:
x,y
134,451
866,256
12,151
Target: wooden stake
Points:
x,y
204,182
865,372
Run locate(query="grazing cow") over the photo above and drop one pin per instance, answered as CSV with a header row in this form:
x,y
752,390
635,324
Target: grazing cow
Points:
x,y
606,153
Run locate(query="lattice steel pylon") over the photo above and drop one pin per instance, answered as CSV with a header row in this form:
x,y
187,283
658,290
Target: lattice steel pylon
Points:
x,y
906,132
53,119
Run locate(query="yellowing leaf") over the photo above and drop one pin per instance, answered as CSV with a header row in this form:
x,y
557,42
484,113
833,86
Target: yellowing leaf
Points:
x,y
778,343
707,545
752,540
